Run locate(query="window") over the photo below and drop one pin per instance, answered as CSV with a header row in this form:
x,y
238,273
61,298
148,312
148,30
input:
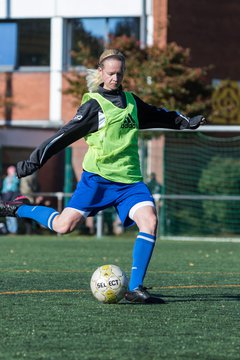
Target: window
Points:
x,y
124,26
96,32
34,42
24,43
8,54
90,32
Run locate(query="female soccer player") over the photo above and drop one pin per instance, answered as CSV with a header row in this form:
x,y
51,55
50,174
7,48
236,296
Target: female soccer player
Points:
x,y
109,119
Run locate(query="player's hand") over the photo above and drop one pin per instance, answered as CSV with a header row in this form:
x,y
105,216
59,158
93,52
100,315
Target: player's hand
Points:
x,y
196,121
190,123
25,168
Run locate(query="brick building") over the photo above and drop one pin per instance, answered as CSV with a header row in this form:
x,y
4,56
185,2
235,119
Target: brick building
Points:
x,y
35,52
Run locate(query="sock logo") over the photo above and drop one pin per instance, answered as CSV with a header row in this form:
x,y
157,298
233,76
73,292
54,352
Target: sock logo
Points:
x,y
128,122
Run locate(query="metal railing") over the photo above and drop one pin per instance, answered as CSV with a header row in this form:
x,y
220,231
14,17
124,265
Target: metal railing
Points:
x,y
60,197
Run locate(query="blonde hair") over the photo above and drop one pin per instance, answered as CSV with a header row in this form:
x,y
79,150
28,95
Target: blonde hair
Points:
x,y
111,53
93,76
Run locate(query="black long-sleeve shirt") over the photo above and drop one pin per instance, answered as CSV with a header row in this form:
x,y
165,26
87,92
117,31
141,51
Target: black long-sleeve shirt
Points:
x,y
89,118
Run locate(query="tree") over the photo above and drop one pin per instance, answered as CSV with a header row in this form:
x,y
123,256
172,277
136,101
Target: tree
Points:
x,y
162,77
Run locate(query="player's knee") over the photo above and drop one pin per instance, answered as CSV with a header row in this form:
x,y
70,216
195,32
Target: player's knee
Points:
x,y
63,227
66,222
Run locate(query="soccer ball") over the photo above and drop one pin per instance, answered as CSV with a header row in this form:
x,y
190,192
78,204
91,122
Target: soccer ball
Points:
x,y
109,284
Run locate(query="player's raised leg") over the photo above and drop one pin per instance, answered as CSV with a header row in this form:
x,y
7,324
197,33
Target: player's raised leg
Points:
x,y
62,223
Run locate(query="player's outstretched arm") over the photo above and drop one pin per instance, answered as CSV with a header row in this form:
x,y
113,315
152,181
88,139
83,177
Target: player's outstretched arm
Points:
x,y
151,117
41,154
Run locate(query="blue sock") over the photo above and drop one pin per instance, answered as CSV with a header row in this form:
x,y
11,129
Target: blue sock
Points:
x,y
142,253
42,214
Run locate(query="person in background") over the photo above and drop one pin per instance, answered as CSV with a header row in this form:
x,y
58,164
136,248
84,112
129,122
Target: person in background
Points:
x,y
29,186
156,189
153,185
10,189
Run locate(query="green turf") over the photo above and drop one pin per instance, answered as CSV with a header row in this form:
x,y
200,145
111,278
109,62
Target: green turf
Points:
x,y
48,312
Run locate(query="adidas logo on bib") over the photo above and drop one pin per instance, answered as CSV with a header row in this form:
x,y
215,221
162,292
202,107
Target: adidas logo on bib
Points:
x,y
128,122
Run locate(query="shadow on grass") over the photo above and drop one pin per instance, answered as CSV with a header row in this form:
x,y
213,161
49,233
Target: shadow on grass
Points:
x,y
200,297
160,299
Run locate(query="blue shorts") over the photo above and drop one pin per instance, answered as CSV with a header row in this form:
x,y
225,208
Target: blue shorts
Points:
x,y
94,193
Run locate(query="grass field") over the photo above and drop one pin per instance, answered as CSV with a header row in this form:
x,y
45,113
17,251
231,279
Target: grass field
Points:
x,y
48,311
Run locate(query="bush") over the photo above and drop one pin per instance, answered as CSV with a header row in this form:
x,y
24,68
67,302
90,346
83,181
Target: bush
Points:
x,y
221,176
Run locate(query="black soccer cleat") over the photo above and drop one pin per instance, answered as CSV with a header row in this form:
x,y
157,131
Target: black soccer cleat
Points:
x,y
9,208
142,296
